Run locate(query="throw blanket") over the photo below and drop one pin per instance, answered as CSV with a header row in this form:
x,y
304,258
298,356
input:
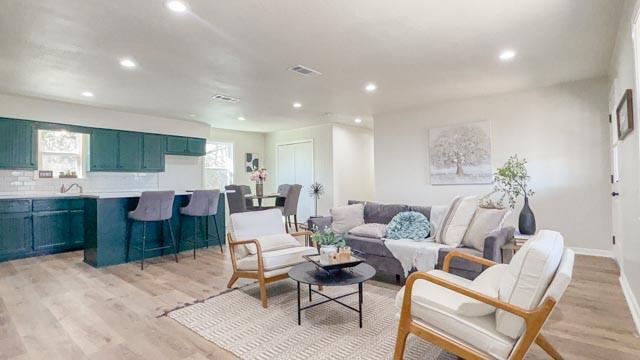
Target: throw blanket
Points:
x,y
422,255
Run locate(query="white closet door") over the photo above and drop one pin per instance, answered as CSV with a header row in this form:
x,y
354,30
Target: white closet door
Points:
x,y
295,166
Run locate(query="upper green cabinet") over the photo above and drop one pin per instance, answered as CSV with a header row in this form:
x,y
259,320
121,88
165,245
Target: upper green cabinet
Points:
x,y
153,152
179,145
18,144
129,151
104,150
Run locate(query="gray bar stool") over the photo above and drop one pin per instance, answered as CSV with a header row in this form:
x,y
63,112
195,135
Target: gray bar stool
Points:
x,y
203,203
153,206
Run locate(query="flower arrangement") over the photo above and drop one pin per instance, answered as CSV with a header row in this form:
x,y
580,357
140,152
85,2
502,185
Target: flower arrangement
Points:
x,y
259,176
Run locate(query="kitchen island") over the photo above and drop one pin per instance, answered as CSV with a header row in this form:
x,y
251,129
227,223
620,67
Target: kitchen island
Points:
x,y
33,224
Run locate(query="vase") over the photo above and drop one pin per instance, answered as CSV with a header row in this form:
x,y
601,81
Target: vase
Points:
x,y
526,221
259,189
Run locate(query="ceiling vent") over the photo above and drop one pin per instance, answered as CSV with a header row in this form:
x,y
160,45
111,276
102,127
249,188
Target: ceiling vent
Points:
x,y
226,98
303,70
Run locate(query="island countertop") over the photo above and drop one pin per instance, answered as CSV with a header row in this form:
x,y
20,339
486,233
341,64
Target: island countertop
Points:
x,y
90,195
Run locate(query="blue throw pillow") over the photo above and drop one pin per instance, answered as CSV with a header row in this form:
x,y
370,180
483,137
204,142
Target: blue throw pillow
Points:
x,y
409,225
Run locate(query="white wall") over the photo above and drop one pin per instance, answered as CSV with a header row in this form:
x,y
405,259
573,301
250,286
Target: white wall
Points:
x,y
322,137
561,130
627,236
243,142
353,175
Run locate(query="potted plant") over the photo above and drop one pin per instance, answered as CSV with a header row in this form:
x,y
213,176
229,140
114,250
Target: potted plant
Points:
x,y
512,181
259,176
326,237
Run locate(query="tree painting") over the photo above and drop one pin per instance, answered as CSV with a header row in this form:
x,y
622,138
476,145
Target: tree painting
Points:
x,y
460,154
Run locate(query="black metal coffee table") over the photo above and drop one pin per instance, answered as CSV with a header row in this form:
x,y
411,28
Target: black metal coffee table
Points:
x,y
308,273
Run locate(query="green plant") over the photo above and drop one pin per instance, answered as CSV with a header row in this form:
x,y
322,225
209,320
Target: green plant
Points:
x,y
511,180
327,237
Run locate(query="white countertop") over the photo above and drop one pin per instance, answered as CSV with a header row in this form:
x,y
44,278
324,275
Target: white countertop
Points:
x,y
92,195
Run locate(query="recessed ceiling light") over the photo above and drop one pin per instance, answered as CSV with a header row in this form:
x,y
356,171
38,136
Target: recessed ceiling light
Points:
x,y
176,6
371,87
87,94
297,105
507,55
358,120
128,63
241,118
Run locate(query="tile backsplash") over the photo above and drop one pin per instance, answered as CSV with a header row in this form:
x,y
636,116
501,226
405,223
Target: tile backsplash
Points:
x,y
16,181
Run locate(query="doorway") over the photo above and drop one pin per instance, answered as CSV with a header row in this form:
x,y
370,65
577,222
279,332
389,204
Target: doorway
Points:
x,y
294,163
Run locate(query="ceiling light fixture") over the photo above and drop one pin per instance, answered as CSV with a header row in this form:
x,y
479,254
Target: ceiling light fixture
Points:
x,y
241,118
358,120
507,55
297,105
371,87
176,6
87,94
128,63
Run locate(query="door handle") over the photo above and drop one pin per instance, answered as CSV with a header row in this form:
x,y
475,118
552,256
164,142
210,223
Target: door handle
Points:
x,y
615,193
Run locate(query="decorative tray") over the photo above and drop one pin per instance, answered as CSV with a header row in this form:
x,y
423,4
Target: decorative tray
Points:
x,y
335,264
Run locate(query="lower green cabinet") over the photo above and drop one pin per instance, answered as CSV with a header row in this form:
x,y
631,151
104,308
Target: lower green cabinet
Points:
x,y
50,231
16,239
76,232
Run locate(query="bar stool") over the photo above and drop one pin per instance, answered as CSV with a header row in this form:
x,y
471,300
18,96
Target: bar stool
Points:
x,y
153,206
203,203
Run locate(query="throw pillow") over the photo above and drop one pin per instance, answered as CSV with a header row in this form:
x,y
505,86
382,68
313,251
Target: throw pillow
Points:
x,y
372,230
458,221
408,225
438,213
273,242
445,218
484,221
487,283
347,217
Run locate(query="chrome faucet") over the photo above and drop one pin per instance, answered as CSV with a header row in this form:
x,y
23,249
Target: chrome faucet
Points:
x,y
65,190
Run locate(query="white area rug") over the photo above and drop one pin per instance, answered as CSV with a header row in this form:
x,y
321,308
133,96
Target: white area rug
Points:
x,y
235,321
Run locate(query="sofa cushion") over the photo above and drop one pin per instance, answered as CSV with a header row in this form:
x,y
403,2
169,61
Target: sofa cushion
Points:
x,y
433,307
367,245
447,218
273,242
527,278
371,230
381,213
459,263
484,221
424,210
276,259
346,217
457,223
487,283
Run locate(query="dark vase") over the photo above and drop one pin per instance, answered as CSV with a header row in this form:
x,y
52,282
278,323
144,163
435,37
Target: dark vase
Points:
x,y
526,221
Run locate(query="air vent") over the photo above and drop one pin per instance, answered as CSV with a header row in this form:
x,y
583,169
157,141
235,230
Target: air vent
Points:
x,y
226,98
303,70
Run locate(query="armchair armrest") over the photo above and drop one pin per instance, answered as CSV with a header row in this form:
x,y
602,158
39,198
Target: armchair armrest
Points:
x,y
494,242
469,257
232,248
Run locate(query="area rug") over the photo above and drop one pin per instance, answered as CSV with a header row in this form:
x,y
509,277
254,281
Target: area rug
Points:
x,y
235,321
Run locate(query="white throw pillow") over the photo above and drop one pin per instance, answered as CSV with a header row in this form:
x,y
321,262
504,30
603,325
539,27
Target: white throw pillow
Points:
x,y
484,221
458,221
273,242
527,278
436,217
445,220
372,230
347,217
487,283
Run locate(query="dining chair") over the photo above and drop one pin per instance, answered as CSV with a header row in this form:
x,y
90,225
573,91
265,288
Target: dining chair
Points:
x,y
236,197
290,207
283,189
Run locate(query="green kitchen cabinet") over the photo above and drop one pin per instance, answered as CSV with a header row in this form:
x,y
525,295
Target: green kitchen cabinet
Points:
x,y
104,150
153,152
16,240
76,231
196,147
18,144
50,230
180,145
129,151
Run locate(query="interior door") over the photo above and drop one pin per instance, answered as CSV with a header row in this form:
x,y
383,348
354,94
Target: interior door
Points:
x,y
295,166
616,210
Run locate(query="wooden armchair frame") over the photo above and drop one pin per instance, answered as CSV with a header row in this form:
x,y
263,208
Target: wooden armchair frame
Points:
x,y
260,273
534,319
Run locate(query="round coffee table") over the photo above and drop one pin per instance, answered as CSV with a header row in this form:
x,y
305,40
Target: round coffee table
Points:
x,y
308,273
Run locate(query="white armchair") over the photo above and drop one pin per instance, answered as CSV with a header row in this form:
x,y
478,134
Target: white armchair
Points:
x,y
261,248
497,316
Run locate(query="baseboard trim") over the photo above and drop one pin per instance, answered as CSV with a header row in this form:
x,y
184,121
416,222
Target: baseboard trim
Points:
x,y
632,302
593,252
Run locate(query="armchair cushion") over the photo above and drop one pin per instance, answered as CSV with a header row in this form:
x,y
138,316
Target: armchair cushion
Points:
x,y
276,259
273,242
434,306
487,283
250,225
527,278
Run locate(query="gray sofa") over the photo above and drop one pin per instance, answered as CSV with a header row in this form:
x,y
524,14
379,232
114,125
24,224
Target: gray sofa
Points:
x,y
388,268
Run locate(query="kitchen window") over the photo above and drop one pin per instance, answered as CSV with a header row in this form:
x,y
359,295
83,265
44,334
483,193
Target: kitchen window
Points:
x,y
218,165
61,151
